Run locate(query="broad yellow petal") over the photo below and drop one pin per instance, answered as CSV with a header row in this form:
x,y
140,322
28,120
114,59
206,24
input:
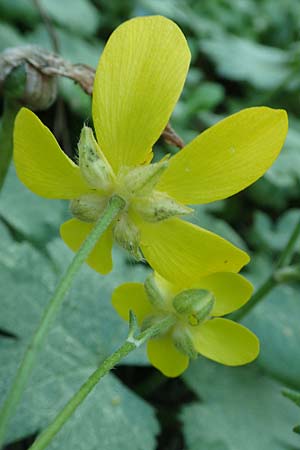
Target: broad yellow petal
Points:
x,y
182,252
231,291
226,342
41,164
131,296
163,355
227,157
138,81
74,232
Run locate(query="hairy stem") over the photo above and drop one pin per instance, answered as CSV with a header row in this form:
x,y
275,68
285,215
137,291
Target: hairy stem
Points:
x,y
115,205
64,415
6,136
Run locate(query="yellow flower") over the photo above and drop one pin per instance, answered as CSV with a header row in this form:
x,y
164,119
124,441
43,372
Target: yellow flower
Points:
x,y
195,325
138,81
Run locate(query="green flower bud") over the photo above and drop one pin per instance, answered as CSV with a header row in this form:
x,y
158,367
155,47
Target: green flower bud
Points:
x,y
142,179
127,235
159,206
153,293
184,343
197,304
93,165
29,86
88,208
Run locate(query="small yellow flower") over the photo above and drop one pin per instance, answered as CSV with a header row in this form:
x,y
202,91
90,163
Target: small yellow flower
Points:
x,y
195,325
138,81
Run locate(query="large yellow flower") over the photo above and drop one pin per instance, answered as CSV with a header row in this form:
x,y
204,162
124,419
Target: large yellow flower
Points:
x,y
138,81
194,326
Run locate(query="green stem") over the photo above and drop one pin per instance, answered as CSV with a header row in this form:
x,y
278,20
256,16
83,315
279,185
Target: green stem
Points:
x,y
64,415
13,88
115,205
261,292
273,279
287,254
10,110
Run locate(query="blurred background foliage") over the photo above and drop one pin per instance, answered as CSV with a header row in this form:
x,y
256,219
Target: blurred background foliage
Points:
x,y
244,53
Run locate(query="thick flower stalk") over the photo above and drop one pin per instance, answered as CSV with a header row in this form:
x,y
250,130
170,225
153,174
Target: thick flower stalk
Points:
x,y
138,82
191,317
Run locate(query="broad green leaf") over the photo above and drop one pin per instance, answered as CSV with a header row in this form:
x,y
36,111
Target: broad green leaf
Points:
x,y
266,194
265,235
19,10
81,17
87,314
112,416
276,322
243,60
294,397
241,408
9,36
35,218
285,171
86,331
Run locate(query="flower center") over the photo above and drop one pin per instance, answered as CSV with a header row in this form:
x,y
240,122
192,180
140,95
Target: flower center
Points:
x,y
135,185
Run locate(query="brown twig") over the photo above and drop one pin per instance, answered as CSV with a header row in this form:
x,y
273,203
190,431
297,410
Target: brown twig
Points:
x,y
61,129
52,65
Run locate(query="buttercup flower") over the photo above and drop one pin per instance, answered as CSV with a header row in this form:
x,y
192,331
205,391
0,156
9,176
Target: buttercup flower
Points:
x,y
194,324
138,81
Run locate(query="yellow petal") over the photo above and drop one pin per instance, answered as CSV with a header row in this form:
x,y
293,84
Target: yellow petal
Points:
x,y
131,296
227,157
182,252
226,342
231,291
163,355
74,232
138,81
41,164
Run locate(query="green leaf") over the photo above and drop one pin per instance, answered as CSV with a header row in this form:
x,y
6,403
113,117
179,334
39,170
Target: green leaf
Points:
x,y
80,17
292,395
285,171
243,60
111,415
266,194
276,322
267,236
241,408
19,10
9,37
85,332
35,218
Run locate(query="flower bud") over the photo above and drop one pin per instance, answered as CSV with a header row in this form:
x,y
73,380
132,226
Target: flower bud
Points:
x,y
159,206
40,91
88,208
184,343
127,235
153,293
93,165
143,179
197,304
30,87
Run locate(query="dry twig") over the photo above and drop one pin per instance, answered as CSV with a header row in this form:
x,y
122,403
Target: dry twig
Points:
x,y
52,65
